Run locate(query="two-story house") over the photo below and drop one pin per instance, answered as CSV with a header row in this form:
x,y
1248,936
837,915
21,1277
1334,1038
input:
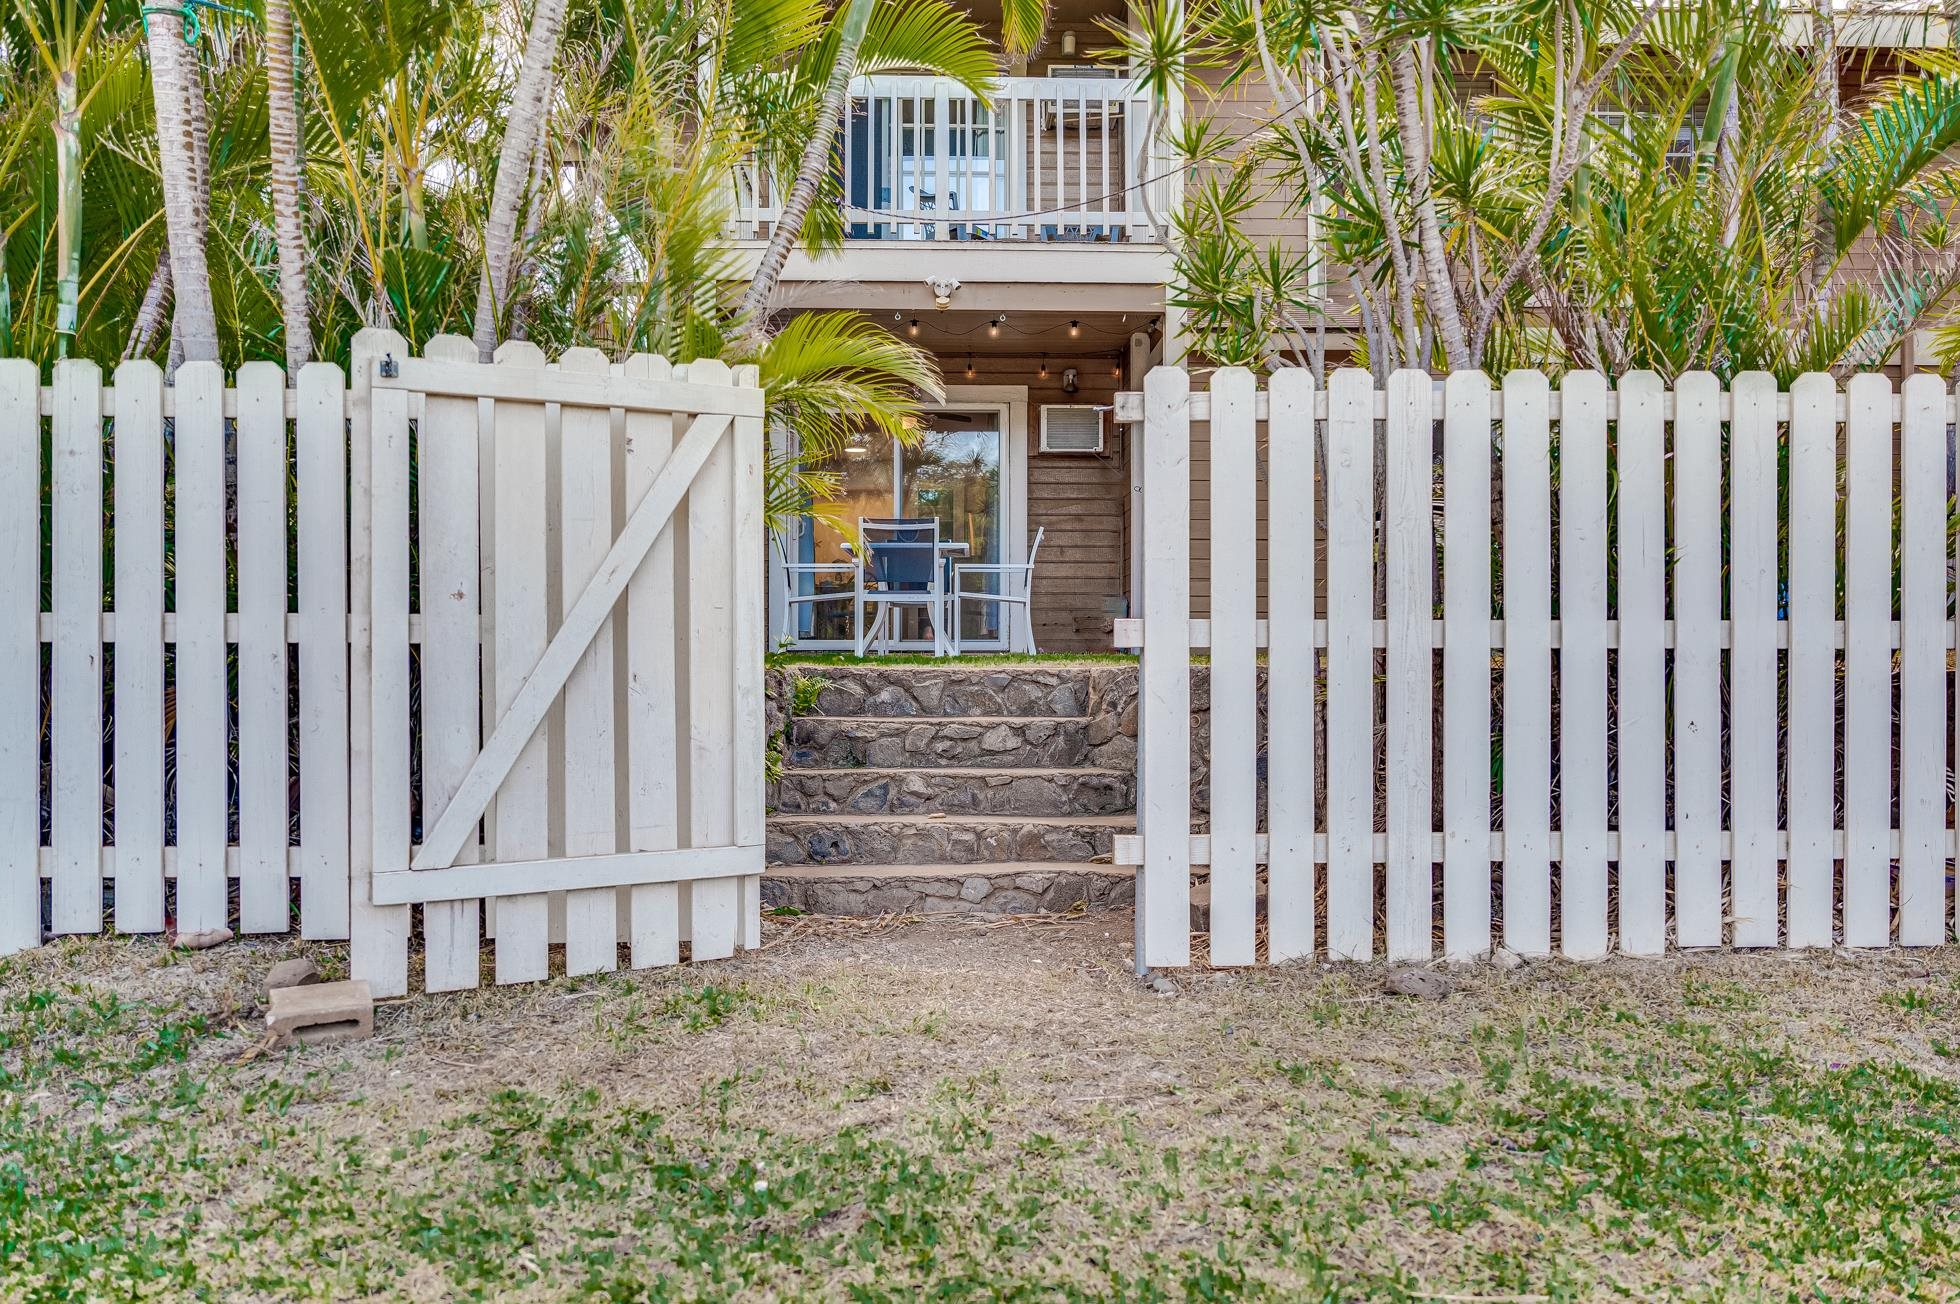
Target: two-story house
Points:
x,y
1024,244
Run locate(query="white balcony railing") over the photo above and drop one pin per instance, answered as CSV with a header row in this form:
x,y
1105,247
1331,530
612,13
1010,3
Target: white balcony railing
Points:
x,y
1050,159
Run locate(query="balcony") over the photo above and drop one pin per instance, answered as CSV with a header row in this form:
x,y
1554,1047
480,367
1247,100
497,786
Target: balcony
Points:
x,y
1051,160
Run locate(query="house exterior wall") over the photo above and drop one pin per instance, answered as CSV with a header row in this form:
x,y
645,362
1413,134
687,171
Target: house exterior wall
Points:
x,y
1080,499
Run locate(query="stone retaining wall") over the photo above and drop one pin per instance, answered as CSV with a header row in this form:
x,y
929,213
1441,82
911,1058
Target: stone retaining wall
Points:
x,y
1105,696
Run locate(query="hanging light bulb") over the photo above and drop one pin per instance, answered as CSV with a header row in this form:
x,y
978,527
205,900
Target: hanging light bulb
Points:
x,y
1074,328
913,328
969,366
1116,370
1044,366
993,327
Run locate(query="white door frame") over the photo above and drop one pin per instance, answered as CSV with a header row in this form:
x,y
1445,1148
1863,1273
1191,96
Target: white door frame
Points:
x,y
1010,402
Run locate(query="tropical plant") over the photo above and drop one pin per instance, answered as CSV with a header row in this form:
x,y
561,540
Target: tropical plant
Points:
x,y
1603,183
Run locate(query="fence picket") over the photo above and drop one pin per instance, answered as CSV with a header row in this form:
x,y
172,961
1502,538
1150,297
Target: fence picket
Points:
x,y
1640,754
1527,664
20,650
652,721
320,456
523,923
264,776
75,788
1754,595
1868,664
1163,921
1697,741
709,631
1466,666
1350,666
138,453
1811,785
586,529
1292,665
202,680
1234,667
1922,664
1582,665
450,581
1409,558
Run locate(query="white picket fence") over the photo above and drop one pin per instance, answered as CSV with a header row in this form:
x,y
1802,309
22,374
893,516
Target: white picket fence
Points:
x,y
1643,721
262,638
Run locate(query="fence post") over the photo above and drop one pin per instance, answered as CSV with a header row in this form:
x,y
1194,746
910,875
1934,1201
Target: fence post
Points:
x,y
379,934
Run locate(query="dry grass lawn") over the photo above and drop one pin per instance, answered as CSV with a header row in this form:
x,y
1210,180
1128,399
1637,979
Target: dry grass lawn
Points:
x,y
890,1110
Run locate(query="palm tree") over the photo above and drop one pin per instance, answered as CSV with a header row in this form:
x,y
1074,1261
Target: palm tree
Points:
x,y
282,106
523,128
63,33
174,82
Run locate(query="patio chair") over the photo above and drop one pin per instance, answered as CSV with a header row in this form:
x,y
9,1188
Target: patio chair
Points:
x,y
1016,590
793,571
901,567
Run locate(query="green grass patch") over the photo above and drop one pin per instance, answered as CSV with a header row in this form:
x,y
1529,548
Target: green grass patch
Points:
x,y
809,1143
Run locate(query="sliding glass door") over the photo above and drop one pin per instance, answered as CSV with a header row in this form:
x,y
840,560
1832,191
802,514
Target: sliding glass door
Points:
x,y
957,473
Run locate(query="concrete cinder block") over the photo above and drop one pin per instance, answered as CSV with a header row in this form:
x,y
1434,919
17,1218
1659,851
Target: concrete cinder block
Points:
x,y
322,1013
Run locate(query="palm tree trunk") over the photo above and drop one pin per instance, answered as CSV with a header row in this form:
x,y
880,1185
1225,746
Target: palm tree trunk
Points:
x,y
521,132
1444,310
173,82
810,168
149,314
68,216
282,107
526,302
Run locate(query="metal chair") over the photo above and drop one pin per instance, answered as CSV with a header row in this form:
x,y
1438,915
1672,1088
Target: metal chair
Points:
x,y
901,567
1005,599
793,571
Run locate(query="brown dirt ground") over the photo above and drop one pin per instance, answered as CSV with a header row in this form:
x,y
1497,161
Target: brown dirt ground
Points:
x,y
1041,1023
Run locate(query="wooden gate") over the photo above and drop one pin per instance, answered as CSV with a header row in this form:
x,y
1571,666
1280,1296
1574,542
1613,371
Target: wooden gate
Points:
x,y
563,688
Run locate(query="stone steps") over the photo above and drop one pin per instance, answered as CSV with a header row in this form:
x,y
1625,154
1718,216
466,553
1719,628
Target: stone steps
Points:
x,y
888,840
930,692
969,742
1027,887
961,786
1032,790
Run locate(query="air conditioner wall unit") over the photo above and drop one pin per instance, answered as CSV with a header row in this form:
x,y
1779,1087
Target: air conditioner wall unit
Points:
x,y
1071,428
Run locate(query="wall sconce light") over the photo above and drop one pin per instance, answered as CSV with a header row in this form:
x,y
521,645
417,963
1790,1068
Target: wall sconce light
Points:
x,y
1068,380
1068,44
